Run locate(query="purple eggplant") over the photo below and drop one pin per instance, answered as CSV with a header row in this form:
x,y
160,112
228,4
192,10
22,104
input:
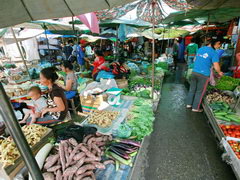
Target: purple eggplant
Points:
x,y
130,142
119,152
125,147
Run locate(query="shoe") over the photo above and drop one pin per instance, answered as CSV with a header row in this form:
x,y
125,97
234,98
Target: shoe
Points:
x,y
188,106
197,110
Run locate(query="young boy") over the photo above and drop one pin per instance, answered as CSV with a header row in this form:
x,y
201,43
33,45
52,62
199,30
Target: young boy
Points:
x,y
39,104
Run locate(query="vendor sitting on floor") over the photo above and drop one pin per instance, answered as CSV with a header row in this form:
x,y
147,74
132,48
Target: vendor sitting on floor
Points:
x,y
39,104
70,81
57,103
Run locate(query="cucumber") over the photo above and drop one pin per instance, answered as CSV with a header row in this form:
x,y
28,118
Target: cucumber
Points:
x,y
222,118
220,113
235,118
225,105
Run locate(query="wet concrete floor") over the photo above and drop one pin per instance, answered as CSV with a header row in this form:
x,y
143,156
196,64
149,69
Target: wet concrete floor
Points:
x,y
182,146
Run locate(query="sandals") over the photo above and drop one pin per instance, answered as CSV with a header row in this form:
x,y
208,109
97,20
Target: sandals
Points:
x,y
197,110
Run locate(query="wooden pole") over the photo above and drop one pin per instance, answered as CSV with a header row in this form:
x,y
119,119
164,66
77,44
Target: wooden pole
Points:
x,y
20,51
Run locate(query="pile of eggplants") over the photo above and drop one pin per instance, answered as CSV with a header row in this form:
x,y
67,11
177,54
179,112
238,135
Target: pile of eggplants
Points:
x,y
123,151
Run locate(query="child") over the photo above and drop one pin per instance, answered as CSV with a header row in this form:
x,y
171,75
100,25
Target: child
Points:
x,y
39,104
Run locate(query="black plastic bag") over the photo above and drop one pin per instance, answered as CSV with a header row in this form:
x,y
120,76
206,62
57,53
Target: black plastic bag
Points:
x,y
74,131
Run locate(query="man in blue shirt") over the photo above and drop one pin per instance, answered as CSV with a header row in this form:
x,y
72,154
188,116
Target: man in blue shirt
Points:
x,y
80,57
205,58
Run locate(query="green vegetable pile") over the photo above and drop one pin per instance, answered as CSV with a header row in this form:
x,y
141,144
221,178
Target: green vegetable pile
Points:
x,y
142,118
140,86
222,111
146,93
227,83
163,65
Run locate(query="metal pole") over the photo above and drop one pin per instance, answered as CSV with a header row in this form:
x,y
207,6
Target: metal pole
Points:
x,y
73,27
15,130
49,54
153,48
19,49
161,50
168,43
207,28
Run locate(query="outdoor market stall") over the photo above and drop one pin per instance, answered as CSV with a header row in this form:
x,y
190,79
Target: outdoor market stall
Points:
x,y
222,109
122,119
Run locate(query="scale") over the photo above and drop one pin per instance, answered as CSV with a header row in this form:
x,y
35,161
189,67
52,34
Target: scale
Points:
x,y
114,98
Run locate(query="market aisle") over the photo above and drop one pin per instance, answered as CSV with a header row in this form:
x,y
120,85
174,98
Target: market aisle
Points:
x,y
182,145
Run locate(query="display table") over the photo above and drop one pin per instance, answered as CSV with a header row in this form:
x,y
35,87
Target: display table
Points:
x,y
212,121
229,156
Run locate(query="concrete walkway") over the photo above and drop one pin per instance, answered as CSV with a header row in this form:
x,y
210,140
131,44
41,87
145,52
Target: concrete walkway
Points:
x,y
182,146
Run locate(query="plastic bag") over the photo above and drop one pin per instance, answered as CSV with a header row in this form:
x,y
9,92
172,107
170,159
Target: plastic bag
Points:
x,y
124,131
104,75
212,79
74,131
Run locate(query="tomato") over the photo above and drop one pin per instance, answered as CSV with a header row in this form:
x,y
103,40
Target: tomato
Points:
x,y
232,126
227,127
238,156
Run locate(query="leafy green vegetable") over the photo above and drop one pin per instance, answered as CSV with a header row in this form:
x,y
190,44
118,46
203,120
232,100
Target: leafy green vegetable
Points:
x,y
227,83
142,119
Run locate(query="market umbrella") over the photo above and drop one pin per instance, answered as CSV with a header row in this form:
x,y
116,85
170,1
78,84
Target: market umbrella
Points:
x,y
213,4
213,15
50,24
117,12
183,23
135,23
173,33
14,12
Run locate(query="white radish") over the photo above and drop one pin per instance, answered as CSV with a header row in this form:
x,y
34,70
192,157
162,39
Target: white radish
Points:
x,y
41,156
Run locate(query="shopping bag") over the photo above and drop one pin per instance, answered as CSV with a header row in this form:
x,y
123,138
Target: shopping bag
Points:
x,y
212,78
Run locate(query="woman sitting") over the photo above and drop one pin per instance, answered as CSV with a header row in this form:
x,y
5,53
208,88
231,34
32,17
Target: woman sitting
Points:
x,y
70,81
57,103
98,64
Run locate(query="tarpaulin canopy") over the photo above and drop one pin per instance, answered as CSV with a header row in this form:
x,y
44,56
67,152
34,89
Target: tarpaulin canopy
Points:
x,y
214,4
214,15
14,12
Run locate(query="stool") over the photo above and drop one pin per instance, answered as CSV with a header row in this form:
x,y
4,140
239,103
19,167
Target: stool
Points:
x,y
68,119
73,106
